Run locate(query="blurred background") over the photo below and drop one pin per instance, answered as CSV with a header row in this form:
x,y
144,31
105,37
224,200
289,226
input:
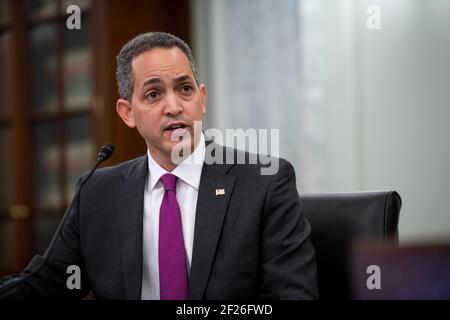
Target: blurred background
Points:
x,y
358,108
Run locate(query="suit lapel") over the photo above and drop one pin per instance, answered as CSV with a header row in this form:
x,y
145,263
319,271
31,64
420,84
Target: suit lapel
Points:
x,y
211,209
210,214
130,202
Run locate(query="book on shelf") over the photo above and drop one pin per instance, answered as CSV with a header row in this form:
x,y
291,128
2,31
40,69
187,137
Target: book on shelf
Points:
x,y
47,193
80,157
77,78
83,4
43,8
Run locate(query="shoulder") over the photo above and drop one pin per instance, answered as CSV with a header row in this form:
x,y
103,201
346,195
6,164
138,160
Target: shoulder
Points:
x,y
243,163
117,172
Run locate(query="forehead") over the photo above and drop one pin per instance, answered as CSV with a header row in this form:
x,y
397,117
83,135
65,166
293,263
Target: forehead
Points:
x,y
160,62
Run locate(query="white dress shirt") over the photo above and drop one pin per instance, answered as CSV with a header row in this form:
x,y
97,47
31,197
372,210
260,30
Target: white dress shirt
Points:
x,y
188,173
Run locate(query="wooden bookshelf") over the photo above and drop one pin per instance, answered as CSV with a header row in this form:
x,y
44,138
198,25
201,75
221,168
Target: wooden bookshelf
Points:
x,y
59,91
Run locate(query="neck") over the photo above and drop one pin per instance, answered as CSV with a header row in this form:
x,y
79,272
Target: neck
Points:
x,y
165,160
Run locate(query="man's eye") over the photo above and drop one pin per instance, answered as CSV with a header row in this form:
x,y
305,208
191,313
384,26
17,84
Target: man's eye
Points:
x,y
152,95
187,89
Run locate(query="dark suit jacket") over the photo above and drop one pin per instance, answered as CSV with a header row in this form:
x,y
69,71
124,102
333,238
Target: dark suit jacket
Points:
x,y
252,242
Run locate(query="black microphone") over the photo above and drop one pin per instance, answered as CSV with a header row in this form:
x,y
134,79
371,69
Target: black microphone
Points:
x,y
105,153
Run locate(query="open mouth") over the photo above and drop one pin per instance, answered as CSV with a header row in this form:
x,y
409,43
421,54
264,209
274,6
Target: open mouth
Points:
x,y
176,130
175,126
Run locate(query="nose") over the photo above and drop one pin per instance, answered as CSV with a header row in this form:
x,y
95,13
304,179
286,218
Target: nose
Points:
x,y
172,105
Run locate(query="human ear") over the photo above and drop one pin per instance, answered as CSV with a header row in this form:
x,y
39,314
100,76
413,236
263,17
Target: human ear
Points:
x,y
203,97
124,110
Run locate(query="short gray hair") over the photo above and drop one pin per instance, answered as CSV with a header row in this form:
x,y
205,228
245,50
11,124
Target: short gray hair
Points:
x,y
140,44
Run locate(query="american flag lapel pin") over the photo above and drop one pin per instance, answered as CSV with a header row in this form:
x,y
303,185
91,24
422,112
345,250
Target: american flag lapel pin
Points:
x,y
220,192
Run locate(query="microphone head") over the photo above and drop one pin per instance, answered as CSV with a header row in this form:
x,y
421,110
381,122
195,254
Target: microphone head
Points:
x,y
106,152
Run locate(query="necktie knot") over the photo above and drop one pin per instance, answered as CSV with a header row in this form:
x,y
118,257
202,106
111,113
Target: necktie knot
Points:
x,y
169,182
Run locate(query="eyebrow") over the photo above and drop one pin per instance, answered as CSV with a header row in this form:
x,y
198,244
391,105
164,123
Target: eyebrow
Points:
x,y
156,80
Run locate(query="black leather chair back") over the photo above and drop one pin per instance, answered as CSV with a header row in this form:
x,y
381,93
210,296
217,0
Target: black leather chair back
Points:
x,y
338,220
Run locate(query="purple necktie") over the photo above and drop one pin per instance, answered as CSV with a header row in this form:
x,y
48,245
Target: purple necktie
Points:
x,y
173,273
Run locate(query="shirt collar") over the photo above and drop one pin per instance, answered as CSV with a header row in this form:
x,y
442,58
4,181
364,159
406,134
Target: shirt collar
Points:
x,y
189,170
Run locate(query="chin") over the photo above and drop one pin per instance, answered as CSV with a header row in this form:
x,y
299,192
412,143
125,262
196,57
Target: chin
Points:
x,y
177,146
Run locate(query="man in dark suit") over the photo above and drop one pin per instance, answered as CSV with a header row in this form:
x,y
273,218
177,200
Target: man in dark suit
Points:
x,y
158,227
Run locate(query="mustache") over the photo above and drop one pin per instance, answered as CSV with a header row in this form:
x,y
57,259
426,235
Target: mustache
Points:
x,y
165,122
